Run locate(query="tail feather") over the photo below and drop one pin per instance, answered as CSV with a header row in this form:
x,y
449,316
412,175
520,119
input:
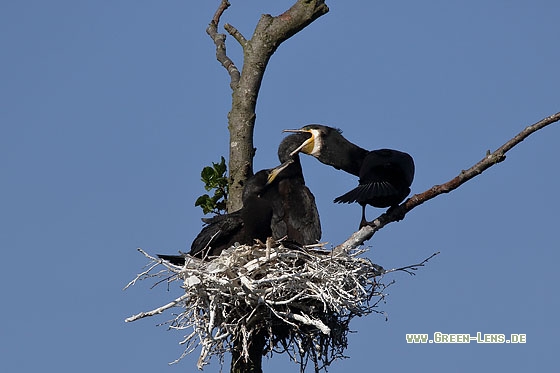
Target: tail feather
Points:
x,y
348,197
366,192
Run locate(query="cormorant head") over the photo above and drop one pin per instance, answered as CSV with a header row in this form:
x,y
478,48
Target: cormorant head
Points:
x,y
314,144
289,146
256,184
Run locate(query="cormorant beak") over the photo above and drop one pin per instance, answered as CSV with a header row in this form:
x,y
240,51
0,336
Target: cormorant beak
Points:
x,y
307,145
276,171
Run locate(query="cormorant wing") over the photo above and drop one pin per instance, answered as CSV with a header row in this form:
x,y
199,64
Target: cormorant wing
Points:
x,y
217,235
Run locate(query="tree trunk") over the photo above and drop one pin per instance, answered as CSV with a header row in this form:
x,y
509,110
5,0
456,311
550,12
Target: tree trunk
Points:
x,y
256,348
269,33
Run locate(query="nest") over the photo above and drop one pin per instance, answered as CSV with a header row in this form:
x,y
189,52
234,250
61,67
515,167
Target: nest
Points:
x,y
299,301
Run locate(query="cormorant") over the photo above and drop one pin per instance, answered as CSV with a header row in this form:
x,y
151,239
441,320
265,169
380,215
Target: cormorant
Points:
x,y
252,221
385,174
295,214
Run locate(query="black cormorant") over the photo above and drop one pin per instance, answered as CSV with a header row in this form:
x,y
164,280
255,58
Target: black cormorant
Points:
x,y
385,174
252,221
295,214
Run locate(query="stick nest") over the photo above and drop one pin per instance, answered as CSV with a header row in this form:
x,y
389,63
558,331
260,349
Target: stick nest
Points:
x,y
300,299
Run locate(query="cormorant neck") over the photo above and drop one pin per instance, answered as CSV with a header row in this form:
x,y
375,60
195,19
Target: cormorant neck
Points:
x,y
294,170
287,146
340,153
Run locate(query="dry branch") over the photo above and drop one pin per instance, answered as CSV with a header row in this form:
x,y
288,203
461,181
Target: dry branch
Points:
x,y
220,42
396,214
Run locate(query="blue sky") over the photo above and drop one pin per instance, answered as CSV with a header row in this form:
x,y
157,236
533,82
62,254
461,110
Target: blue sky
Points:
x,y
109,110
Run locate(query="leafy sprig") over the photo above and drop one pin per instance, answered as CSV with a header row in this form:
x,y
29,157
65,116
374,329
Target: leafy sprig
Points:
x,y
214,178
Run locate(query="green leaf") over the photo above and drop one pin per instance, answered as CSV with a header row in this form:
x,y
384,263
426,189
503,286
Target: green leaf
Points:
x,y
221,167
214,179
206,174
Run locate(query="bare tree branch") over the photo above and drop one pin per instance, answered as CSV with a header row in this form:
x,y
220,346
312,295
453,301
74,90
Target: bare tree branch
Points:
x,y
269,33
236,34
398,213
220,42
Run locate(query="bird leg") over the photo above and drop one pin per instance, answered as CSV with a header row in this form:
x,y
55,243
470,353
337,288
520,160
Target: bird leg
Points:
x,y
363,222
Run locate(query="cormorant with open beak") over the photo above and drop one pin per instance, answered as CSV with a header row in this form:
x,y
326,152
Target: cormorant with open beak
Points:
x,y
385,174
